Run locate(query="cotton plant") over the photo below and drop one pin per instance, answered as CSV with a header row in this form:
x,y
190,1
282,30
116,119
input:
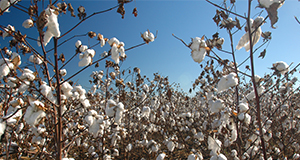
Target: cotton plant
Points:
x,y
227,81
52,26
255,36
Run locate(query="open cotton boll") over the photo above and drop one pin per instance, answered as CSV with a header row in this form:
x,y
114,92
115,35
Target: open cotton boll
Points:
x,y
214,145
216,106
161,156
83,48
119,113
110,106
85,61
63,72
192,156
115,53
27,23
5,69
11,110
122,51
148,36
251,95
198,56
2,127
113,41
33,115
244,41
35,59
78,44
8,29
243,107
89,52
281,66
227,81
195,44
171,146
27,75
47,37
52,24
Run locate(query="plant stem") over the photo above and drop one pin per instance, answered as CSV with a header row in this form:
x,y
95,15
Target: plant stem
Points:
x,y
254,84
59,126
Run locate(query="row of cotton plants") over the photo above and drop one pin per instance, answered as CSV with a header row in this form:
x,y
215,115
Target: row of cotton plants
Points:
x,y
151,119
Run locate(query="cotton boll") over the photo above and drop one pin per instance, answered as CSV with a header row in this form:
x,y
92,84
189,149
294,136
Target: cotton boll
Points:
x,y
89,119
244,41
115,53
8,29
102,42
5,69
32,117
227,81
161,156
247,118
63,72
241,116
89,52
122,51
113,41
198,56
119,113
110,108
214,145
83,48
52,24
27,23
171,146
199,136
222,157
35,59
281,66
243,107
195,44
2,128
27,75
85,61
78,44
128,147
146,112
192,156
216,107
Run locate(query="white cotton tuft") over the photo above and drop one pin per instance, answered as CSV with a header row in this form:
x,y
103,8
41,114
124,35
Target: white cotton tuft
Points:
x,y
216,106
83,48
115,53
63,72
35,59
227,81
2,128
161,156
198,48
282,67
171,146
85,61
244,41
78,44
268,3
214,145
113,41
243,107
27,23
7,29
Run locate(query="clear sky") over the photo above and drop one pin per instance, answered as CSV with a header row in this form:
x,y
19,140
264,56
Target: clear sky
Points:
x,y
167,55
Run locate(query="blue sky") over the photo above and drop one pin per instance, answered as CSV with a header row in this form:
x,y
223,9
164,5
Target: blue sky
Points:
x,y
166,55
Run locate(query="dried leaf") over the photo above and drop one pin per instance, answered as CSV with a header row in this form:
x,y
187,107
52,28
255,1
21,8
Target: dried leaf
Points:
x,y
272,12
262,54
134,12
